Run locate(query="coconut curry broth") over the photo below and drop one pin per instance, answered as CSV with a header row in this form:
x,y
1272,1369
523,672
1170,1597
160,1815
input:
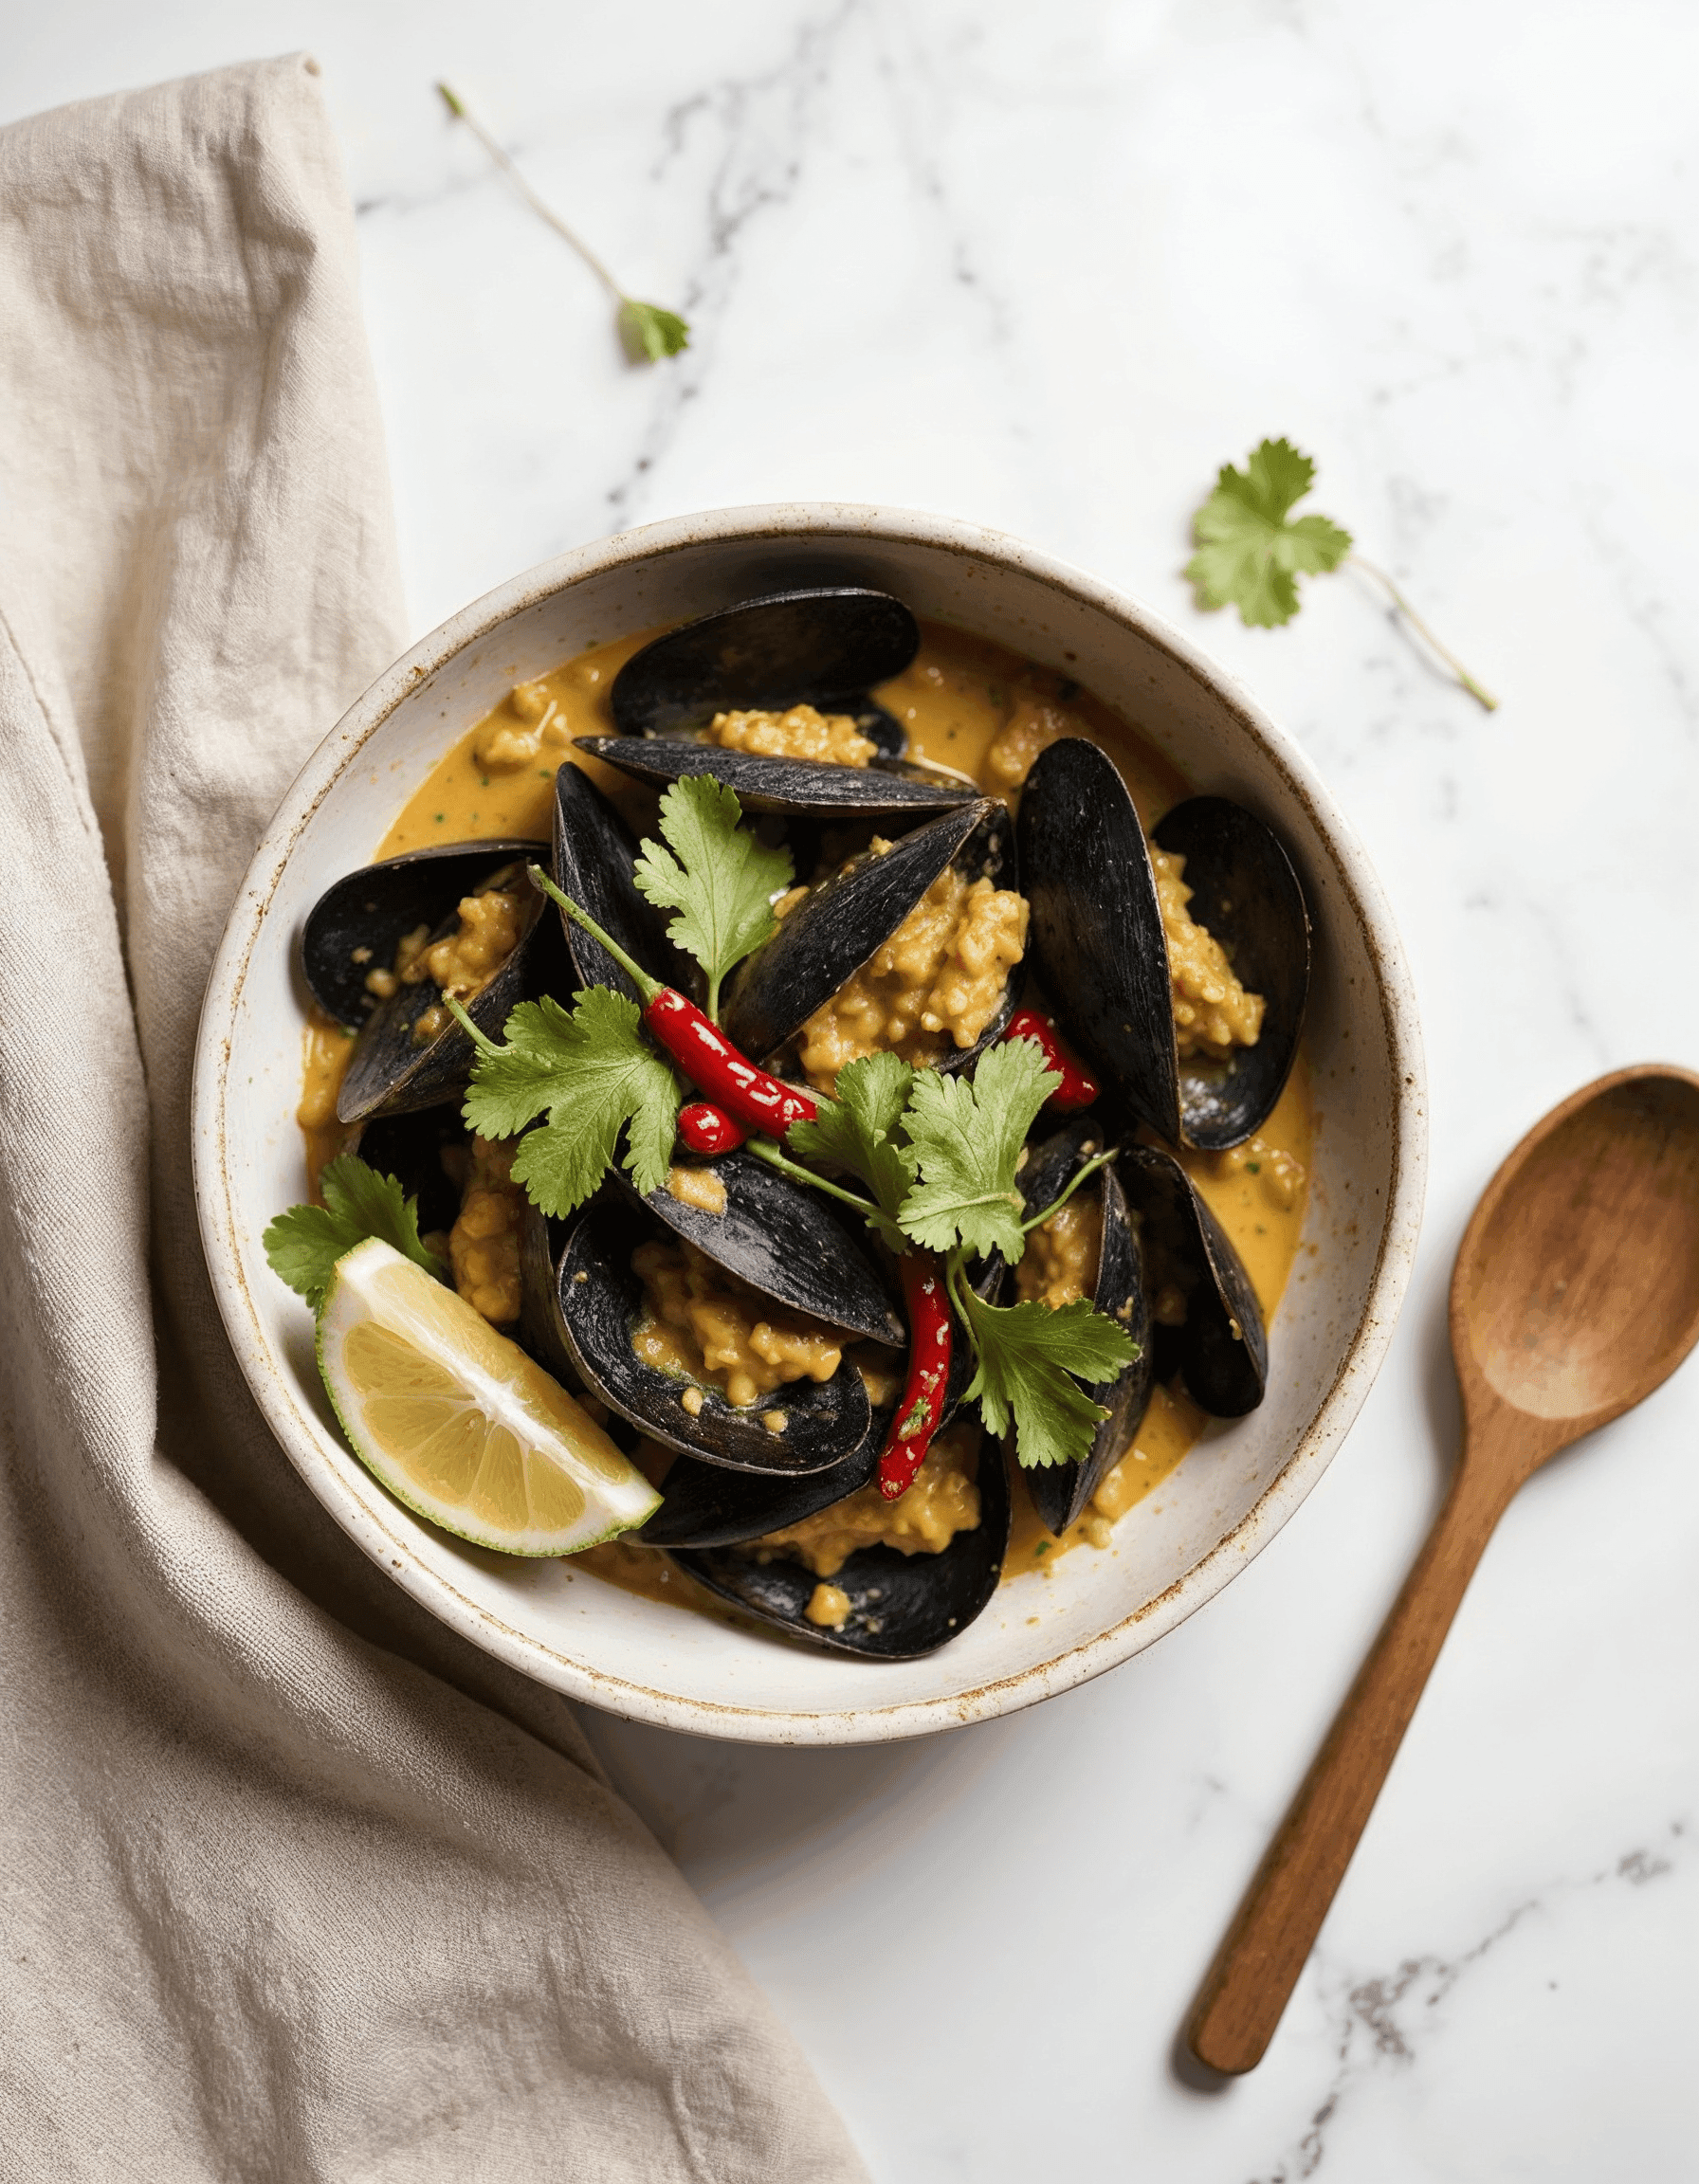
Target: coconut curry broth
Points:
x,y
966,703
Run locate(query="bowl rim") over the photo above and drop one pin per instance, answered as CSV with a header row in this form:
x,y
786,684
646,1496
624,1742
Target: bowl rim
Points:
x,y
382,1538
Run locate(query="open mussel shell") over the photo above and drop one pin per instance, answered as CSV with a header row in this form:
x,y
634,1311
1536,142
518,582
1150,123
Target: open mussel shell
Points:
x,y
601,1303
356,925
1220,1349
1245,891
1061,1491
890,788
826,647
783,1240
428,1152
901,1606
391,1072
703,1505
841,922
595,857
1098,943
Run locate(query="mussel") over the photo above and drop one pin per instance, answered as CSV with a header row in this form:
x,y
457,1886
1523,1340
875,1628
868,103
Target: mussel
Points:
x,y
1206,1322
840,924
784,1241
893,790
594,860
826,647
805,1425
357,927
705,1505
898,1606
1061,1491
1098,947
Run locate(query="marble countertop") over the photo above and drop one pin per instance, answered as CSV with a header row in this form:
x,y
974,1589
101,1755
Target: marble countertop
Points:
x,y
1047,269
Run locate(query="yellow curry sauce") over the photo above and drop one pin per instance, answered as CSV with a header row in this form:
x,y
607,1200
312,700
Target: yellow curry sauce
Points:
x,y
966,703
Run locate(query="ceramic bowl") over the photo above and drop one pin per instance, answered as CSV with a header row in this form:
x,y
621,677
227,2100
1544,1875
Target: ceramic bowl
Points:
x,y
1231,1494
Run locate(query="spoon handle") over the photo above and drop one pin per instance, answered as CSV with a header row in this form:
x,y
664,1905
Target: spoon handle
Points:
x,y
1258,1965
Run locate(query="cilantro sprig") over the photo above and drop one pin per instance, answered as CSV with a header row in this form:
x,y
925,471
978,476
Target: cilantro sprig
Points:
x,y
716,876
646,331
593,1075
303,1244
1251,550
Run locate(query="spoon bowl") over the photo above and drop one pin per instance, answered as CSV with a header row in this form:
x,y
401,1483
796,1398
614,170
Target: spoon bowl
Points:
x,y
1577,1285
1576,1293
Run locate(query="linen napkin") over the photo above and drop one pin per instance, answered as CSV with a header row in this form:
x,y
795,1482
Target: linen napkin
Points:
x,y
295,1884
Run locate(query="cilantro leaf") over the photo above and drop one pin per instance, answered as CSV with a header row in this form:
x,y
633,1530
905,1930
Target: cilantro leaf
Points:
x,y
1029,1355
1248,552
303,1244
721,881
592,1074
648,332
967,1142
858,1131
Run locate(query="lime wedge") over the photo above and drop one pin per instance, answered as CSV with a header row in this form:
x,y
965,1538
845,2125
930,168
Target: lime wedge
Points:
x,y
458,1422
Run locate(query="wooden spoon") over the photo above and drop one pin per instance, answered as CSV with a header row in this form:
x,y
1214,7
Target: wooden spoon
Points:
x,y
1576,1293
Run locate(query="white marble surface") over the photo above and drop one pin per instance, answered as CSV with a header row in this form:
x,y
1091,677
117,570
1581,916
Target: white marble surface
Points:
x,y
1048,268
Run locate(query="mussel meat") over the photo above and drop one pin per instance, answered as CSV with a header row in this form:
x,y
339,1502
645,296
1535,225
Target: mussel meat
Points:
x,y
840,925
1099,1229
1206,1322
410,1053
805,1425
703,1505
356,925
1099,943
895,1607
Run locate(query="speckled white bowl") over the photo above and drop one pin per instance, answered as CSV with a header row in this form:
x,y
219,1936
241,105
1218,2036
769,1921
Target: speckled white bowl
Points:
x,y
1236,1489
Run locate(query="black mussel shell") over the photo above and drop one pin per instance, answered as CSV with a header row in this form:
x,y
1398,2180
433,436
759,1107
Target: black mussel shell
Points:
x,y
890,788
1061,1491
1096,931
429,1153
831,933
827,648
703,1505
370,910
1098,942
391,1073
600,1303
1221,1349
595,857
901,1606
1245,891
783,1240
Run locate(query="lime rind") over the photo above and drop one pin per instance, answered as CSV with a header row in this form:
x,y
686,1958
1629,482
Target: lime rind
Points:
x,y
376,1285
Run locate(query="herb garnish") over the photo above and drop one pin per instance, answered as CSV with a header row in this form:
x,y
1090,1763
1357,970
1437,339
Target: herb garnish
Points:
x,y
721,882
1251,551
303,1244
646,331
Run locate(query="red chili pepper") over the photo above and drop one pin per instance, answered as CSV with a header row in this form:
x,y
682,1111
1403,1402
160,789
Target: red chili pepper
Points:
x,y
708,1129
1078,1087
930,1342
758,1102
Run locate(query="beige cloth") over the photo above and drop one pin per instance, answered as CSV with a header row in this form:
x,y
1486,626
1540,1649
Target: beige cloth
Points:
x,y
296,1884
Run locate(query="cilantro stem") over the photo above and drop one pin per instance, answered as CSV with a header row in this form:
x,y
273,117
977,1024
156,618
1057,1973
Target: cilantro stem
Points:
x,y
767,1150
1079,1174
544,212
483,1044
1481,698
647,986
